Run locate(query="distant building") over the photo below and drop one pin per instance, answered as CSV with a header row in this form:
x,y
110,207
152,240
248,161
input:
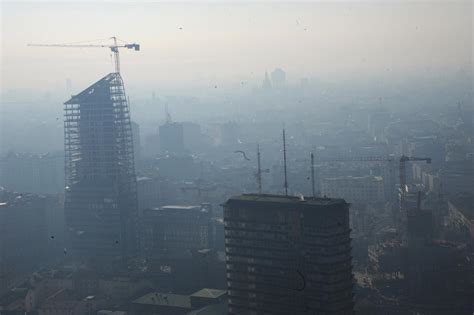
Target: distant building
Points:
x,y
171,138
363,189
430,277
287,255
266,84
176,229
148,192
192,137
152,145
176,166
456,176
376,123
278,78
33,173
26,236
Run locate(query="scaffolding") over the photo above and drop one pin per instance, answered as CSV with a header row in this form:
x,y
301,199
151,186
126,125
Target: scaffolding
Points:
x,y
101,197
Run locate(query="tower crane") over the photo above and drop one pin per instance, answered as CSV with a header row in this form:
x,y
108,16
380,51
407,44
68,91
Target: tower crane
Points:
x,y
114,47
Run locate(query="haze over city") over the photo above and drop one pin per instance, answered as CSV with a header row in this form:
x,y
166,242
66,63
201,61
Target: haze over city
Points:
x,y
236,157
188,45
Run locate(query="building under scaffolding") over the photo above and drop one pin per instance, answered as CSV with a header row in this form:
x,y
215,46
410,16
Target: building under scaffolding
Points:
x,y
101,198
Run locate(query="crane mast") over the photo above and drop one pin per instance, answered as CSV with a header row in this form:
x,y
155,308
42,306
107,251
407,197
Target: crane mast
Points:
x,y
114,48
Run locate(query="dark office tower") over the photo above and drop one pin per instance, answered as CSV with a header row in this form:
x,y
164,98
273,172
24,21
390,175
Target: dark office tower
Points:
x,y
101,198
288,255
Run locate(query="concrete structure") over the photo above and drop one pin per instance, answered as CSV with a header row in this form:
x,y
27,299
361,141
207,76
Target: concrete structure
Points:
x,y
363,189
177,229
288,255
100,199
180,304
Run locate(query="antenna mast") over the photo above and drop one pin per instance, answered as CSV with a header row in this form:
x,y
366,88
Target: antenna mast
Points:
x,y
284,163
259,171
167,114
312,174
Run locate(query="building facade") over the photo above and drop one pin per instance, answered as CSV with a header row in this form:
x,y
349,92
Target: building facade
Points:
x,y
288,255
361,190
177,229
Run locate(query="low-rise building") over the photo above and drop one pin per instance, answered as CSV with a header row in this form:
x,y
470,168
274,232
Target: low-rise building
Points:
x,y
178,304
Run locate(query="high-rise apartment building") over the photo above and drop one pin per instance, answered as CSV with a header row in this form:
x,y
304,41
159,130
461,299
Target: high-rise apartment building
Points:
x,y
288,255
101,197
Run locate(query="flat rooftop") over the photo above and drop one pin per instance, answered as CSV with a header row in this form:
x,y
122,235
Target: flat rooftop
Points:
x,y
165,299
282,199
180,207
209,293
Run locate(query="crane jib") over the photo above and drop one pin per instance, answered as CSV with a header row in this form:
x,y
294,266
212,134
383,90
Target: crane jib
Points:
x,y
114,48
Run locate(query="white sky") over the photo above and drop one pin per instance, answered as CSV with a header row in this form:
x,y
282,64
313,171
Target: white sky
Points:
x,y
226,42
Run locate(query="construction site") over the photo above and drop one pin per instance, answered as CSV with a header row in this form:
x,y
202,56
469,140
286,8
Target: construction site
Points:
x,y
101,192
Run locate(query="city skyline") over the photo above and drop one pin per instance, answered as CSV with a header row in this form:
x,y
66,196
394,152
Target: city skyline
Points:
x,y
205,44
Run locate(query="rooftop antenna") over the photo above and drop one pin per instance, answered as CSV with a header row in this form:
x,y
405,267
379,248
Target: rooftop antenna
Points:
x,y
259,171
167,114
312,175
284,163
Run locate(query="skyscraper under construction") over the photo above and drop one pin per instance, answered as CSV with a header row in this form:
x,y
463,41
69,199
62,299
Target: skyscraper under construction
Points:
x,y
100,197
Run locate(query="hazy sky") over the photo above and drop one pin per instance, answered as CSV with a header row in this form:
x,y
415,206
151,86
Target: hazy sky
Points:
x,y
229,42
